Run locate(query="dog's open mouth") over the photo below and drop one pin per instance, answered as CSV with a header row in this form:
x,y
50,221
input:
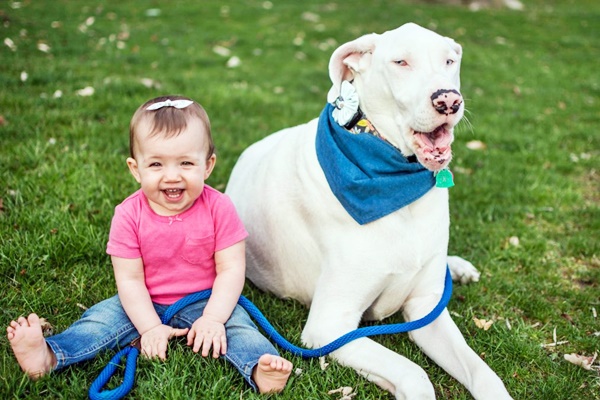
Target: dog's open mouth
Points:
x,y
433,148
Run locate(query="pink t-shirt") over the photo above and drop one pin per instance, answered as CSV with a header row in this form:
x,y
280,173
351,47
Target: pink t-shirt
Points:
x,y
178,251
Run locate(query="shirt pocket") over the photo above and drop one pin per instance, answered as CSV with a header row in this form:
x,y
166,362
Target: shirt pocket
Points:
x,y
199,250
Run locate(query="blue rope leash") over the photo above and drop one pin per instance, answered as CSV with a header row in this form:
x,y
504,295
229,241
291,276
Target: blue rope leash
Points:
x,y
132,352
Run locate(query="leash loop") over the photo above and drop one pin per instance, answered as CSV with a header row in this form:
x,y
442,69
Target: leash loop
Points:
x,y
132,351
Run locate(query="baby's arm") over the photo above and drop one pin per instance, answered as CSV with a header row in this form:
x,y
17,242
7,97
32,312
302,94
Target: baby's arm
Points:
x,y
209,330
135,299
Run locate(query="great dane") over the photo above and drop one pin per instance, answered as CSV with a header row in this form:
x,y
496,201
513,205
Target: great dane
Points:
x,y
351,256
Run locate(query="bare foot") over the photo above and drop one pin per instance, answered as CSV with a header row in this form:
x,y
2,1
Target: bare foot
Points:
x,y
271,373
30,348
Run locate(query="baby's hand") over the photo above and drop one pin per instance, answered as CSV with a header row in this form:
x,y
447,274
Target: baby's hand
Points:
x,y
154,342
206,333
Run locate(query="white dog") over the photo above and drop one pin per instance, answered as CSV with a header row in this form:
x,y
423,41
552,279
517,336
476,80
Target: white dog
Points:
x,y
331,227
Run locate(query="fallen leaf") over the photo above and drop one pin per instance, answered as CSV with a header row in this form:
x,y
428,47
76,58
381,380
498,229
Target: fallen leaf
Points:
x,y
153,12
345,390
310,17
514,5
323,364
482,323
150,83
517,90
476,145
10,44
583,361
222,51
43,47
47,328
567,317
86,91
234,62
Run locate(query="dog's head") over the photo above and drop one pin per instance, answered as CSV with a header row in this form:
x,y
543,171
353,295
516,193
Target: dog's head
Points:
x,y
408,83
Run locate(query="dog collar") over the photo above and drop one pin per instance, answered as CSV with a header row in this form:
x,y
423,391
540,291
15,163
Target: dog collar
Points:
x,y
360,124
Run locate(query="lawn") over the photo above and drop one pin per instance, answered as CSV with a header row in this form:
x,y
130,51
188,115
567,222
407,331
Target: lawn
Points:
x,y
525,208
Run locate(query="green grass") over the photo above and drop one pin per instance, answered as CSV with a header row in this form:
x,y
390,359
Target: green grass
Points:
x,y
532,88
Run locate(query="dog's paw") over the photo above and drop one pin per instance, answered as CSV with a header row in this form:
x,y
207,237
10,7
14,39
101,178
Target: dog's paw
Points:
x,y
462,271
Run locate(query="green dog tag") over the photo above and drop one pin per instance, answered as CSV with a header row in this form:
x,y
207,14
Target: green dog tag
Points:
x,y
443,179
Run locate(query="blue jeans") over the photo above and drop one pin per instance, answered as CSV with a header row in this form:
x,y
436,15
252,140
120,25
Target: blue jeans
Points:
x,y
105,326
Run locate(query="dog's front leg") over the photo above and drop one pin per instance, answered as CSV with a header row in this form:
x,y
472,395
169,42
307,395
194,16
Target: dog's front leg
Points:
x,y
444,343
337,309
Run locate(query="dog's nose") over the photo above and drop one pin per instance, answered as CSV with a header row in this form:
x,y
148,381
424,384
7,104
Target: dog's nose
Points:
x,y
446,101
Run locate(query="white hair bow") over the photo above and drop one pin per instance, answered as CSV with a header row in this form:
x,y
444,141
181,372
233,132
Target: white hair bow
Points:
x,y
169,103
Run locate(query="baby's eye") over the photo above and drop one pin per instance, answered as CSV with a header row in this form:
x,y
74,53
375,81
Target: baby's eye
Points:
x,y
187,163
154,165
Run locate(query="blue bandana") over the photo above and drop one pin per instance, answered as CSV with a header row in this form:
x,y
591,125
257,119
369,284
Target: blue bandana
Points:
x,y
369,176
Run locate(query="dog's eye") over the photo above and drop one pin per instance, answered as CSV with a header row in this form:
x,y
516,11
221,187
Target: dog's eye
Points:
x,y
449,62
402,63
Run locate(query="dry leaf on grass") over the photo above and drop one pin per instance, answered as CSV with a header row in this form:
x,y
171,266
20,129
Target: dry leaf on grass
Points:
x,y
476,145
47,328
482,323
346,391
221,50
43,47
234,62
555,342
323,364
10,44
86,91
583,361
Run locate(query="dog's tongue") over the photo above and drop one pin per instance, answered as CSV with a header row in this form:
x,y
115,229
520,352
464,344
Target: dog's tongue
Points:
x,y
434,150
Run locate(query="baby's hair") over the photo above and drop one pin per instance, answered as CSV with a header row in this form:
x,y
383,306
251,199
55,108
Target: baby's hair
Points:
x,y
169,121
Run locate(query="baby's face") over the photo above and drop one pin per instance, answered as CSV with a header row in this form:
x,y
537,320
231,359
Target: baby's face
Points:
x,y
172,171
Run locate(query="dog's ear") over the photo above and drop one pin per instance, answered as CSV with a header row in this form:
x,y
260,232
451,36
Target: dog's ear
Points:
x,y
455,46
348,59
458,49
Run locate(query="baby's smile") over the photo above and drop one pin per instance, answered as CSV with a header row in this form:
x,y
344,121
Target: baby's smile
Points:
x,y
173,194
